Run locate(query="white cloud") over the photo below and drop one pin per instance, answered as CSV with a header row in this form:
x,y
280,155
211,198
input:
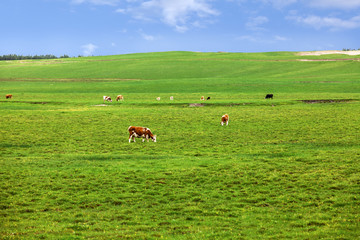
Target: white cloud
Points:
x,y
145,36
120,10
254,23
181,29
177,14
337,4
248,38
341,4
279,38
332,23
262,39
148,37
89,49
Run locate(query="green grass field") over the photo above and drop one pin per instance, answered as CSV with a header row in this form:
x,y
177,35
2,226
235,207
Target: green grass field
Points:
x,y
283,168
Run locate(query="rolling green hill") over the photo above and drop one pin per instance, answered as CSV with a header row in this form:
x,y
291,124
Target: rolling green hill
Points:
x,y
240,74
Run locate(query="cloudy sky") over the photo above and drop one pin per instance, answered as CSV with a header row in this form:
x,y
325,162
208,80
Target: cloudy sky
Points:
x,y
108,27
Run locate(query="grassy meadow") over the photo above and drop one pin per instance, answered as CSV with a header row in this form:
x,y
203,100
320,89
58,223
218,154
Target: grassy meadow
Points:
x,y
286,168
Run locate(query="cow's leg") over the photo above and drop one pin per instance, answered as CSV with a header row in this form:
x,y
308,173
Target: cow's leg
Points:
x,y
222,123
227,122
132,136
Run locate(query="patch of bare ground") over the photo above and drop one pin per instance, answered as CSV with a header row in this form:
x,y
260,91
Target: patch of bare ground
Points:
x,y
38,102
33,102
237,104
101,105
319,53
327,101
196,104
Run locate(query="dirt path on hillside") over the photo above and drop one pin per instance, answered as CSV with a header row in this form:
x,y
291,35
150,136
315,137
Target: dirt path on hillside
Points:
x,y
319,53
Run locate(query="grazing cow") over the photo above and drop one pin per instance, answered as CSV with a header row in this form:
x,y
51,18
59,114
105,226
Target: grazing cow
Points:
x,y
171,98
8,96
208,98
202,98
269,96
158,98
106,98
141,132
119,97
224,119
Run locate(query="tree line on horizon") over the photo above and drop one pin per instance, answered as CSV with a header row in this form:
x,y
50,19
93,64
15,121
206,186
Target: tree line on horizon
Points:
x,y
21,57
349,49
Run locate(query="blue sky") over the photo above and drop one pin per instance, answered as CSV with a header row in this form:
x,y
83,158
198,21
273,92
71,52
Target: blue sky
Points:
x,y
109,27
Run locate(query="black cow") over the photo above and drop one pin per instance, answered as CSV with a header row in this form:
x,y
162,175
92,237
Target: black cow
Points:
x,y
208,98
269,96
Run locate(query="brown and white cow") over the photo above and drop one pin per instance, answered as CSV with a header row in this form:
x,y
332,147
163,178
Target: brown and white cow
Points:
x,y
107,98
8,96
141,132
202,98
120,97
224,119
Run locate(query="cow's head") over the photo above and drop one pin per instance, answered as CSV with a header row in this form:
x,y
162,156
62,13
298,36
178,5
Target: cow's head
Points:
x,y
153,138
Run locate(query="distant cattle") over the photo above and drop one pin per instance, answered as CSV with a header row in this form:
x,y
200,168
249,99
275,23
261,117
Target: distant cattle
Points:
x,y
107,98
224,119
208,98
141,132
8,96
158,98
269,96
120,97
202,98
171,98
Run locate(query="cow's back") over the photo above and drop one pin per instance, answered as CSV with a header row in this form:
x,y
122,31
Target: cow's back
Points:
x,y
138,130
